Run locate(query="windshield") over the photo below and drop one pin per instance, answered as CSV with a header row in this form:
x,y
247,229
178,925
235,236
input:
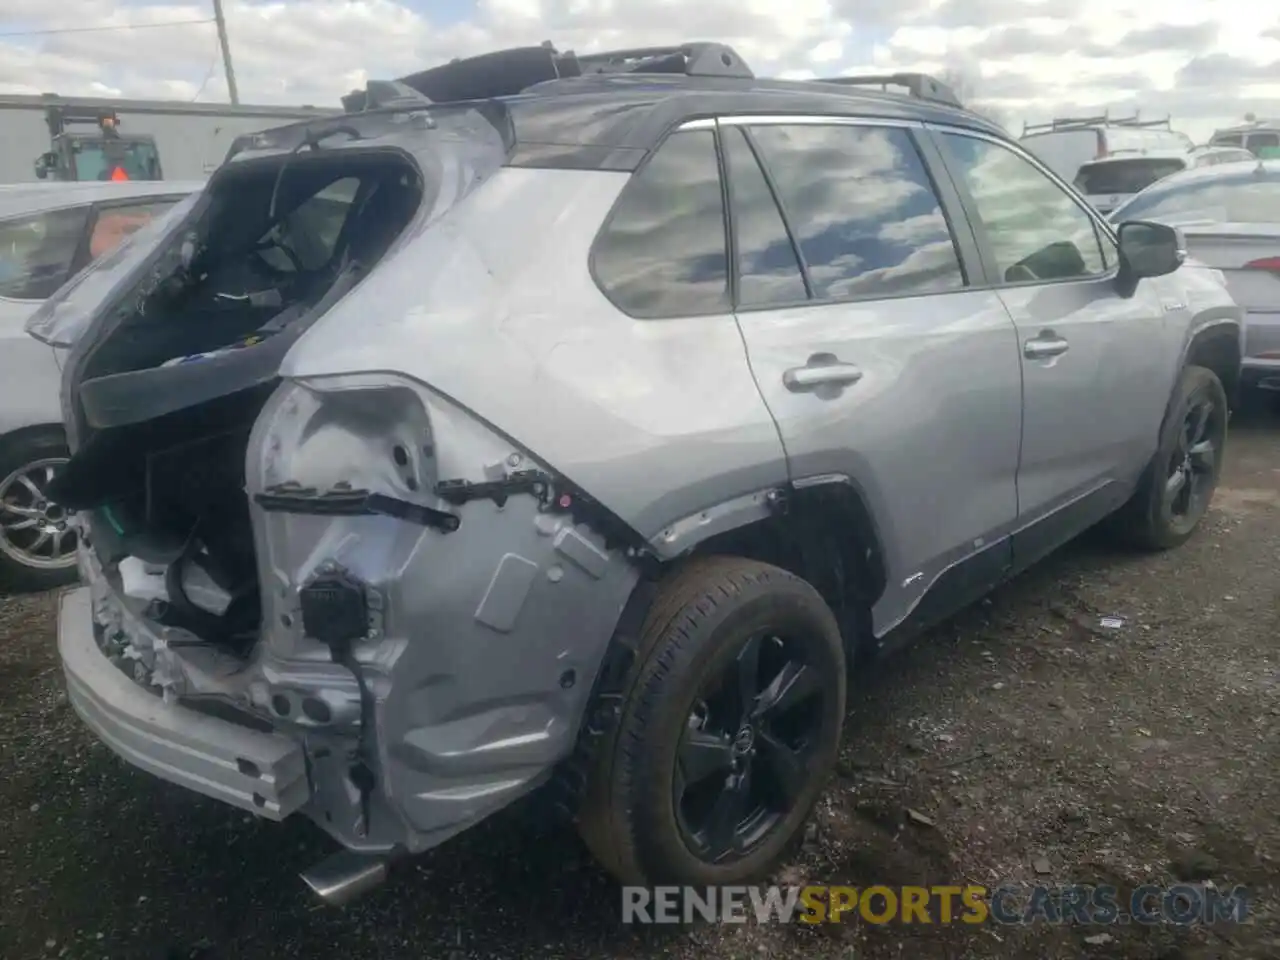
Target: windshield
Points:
x,y
1125,176
60,319
1240,198
99,159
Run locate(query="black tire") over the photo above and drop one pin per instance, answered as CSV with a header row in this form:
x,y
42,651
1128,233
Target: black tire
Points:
x,y
1150,520
19,450
704,619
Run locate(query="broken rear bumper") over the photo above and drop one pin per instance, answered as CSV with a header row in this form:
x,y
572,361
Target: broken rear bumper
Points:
x,y
260,772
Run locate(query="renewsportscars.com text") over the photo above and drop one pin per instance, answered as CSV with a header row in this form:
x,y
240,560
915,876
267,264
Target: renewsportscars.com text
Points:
x,y
1181,904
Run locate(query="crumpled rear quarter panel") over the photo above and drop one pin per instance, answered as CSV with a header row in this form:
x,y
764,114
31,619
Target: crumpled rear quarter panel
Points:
x,y
483,643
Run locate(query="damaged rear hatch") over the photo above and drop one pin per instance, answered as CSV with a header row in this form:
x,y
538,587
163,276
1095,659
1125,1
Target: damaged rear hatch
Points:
x,y
176,341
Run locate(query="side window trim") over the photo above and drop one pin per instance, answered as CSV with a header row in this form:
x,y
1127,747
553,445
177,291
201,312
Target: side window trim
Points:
x,y
1109,252
142,200
974,264
782,211
988,275
727,215
1101,228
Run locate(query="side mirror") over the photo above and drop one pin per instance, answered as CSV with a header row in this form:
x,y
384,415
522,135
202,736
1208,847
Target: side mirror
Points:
x,y
44,163
1149,249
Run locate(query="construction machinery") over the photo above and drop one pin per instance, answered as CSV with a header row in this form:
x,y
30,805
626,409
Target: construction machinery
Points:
x,y
184,140
100,152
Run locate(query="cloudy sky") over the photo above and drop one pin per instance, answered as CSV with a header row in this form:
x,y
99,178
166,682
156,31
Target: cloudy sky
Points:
x,y
1206,61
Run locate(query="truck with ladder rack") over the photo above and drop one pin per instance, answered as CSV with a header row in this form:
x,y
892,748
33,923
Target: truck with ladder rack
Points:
x,y
1064,144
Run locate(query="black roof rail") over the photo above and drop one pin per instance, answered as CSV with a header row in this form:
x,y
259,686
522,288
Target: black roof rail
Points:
x,y
501,73
702,59
918,85
1102,120
504,73
385,94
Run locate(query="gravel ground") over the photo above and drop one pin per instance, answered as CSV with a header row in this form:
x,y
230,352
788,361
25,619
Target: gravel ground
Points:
x,y
1035,742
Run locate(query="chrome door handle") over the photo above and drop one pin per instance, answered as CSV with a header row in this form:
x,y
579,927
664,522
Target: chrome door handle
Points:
x,y
1044,347
822,368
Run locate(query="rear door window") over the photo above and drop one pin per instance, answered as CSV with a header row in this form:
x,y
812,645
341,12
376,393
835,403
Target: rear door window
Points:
x,y
38,251
863,210
663,253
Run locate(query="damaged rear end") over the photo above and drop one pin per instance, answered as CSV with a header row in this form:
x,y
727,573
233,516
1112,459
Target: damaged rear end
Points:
x,y
344,596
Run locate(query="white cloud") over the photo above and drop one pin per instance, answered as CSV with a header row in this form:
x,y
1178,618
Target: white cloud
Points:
x,y
1205,61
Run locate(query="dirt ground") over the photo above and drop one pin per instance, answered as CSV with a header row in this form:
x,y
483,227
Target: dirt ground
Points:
x,y
1036,742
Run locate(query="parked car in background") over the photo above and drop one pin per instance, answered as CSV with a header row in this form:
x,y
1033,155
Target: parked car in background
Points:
x,y
1230,217
1109,182
48,232
1067,143
631,401
1259,137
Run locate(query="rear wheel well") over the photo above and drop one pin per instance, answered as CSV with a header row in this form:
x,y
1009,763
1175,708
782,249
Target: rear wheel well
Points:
x,y
1218,350
825,535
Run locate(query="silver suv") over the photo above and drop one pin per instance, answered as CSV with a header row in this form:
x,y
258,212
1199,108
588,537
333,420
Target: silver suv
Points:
x,y
585,438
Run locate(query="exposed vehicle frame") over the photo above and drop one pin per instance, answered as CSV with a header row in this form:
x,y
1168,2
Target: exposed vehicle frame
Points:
x,y
526,538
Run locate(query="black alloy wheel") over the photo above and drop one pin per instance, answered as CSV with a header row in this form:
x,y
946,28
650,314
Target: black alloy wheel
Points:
x,y
744,758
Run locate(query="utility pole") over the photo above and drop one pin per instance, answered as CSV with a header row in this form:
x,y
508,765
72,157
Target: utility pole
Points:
x,y
226,52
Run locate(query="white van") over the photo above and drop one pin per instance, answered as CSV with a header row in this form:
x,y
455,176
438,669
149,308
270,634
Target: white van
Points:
x,y
1064,144
1109,182
1259,137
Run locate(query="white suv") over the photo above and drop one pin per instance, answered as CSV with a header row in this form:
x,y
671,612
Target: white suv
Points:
x,y
1109,182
